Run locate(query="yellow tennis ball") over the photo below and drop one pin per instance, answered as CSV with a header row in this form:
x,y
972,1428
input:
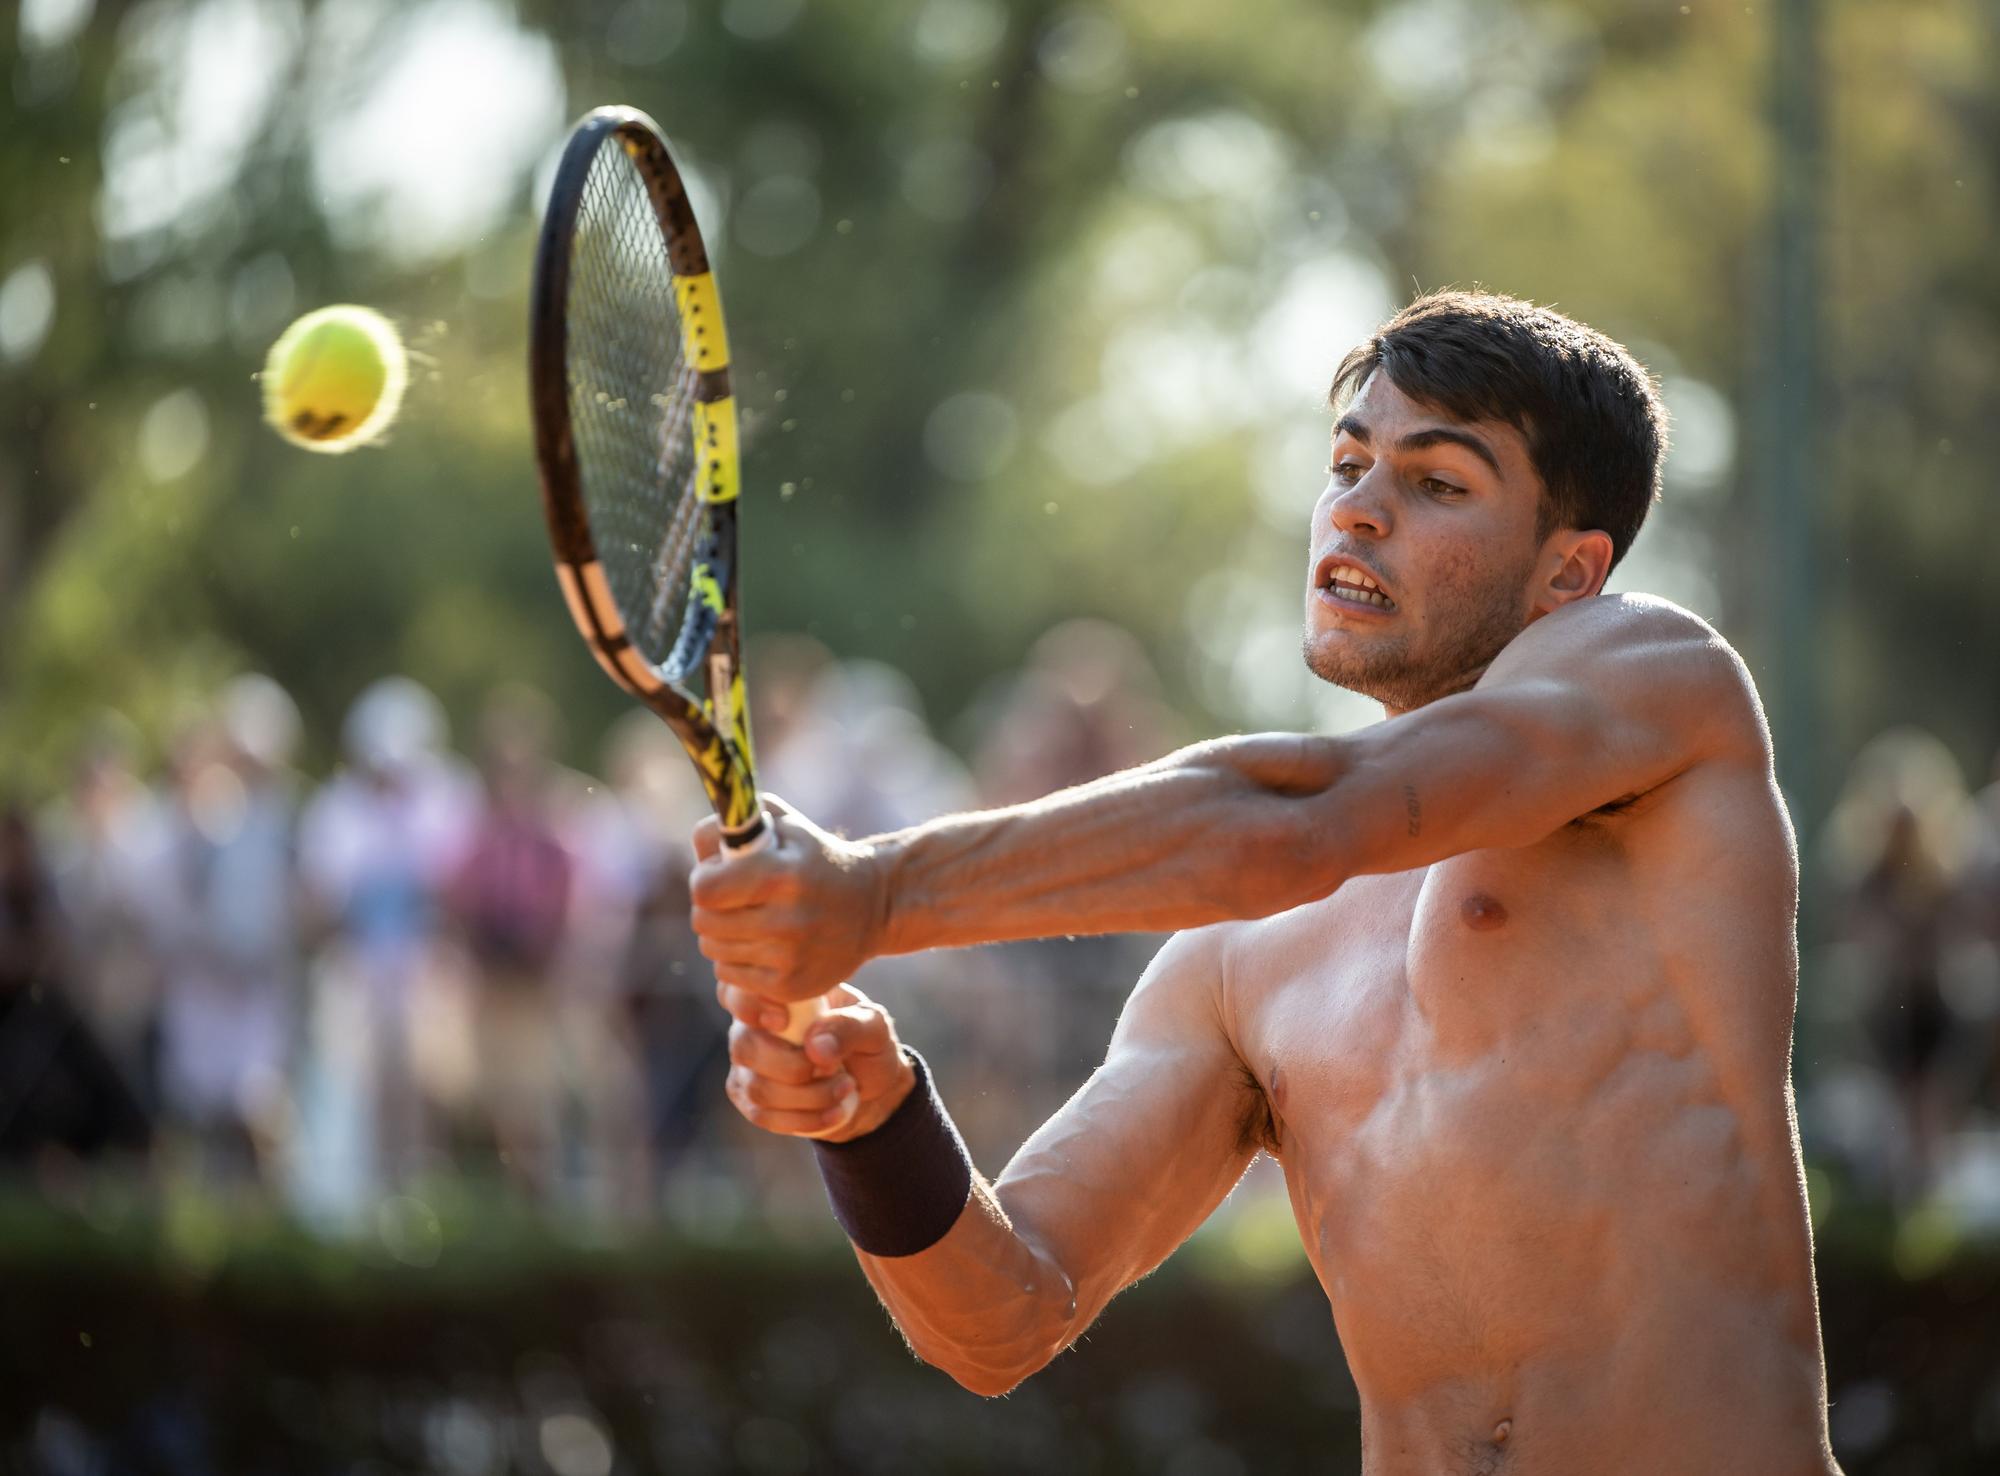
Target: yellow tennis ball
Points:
x,y
335,378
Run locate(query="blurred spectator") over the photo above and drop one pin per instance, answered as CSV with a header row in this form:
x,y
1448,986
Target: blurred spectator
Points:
x,y
1899,844
108,848
1086,704
230,942
509,897
59,1090
1983,873
635,994
376,846
849,746
680,1032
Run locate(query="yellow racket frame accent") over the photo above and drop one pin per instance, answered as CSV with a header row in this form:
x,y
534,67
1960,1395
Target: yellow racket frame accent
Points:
x,y
704,340
715,434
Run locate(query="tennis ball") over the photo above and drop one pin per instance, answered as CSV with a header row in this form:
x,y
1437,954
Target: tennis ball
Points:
x,y
334,379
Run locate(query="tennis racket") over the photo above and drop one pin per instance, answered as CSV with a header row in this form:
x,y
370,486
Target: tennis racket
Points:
x,y
635,430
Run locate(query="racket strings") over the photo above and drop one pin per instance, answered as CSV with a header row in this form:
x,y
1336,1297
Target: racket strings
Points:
x,y
632,395
671,569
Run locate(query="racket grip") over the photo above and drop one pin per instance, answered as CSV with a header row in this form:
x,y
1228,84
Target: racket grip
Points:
x,y
800,1012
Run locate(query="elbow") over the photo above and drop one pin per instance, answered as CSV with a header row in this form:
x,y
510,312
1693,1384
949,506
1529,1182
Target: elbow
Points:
x,y
993,1361
988,1384
993,1378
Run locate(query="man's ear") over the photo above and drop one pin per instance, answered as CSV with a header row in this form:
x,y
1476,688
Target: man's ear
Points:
x,y
1573,566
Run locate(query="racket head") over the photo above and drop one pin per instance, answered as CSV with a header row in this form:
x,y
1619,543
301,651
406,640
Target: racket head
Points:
x,y
635,436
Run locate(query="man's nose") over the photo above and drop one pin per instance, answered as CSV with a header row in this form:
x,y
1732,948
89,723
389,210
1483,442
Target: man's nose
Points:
x,y
1361,510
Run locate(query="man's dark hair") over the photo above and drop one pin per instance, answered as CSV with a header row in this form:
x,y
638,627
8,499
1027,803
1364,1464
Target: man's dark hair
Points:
x,y
1590,413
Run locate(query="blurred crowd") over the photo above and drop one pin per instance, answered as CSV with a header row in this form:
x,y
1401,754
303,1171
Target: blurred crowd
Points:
x,y
1901,983
476,966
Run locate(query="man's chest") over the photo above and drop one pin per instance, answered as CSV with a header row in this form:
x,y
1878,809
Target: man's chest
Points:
x,y
1402,989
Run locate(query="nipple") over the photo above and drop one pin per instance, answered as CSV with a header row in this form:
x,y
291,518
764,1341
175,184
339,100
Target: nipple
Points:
x,y
1482,913
1501,1431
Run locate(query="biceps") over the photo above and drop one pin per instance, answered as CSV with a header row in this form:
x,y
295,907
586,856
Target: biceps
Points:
x,y
1128,1169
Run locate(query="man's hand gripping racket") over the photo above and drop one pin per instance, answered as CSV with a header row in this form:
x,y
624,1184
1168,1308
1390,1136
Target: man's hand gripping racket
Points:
x,y
796,919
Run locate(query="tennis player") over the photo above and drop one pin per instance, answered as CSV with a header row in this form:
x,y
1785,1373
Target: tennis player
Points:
x,y
1504,982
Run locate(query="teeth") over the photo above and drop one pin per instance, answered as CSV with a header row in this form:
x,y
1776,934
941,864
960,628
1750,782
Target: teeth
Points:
x,y
1348,575
1357,595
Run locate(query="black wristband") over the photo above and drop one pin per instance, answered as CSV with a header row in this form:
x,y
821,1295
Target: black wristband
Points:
x,y
897,1190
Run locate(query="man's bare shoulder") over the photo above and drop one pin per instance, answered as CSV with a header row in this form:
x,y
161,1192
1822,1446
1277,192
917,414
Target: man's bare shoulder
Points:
x,y
1610,624
1183,983
1650,655
1187,1002
1213,974
1252,957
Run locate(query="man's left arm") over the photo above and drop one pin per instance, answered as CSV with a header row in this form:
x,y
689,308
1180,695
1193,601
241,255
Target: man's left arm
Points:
x,y
1602,700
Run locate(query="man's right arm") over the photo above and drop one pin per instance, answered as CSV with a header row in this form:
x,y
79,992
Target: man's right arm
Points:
x,y
1098,1197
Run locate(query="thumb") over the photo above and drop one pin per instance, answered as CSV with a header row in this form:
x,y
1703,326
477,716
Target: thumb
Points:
x,y
707,838
790,824
720,884
842,1034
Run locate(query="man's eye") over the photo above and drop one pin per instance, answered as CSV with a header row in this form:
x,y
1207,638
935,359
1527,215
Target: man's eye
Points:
x,y
1344,471
1440,489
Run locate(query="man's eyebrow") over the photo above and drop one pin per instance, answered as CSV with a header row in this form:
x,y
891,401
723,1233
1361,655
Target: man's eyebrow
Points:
x,y
1438,435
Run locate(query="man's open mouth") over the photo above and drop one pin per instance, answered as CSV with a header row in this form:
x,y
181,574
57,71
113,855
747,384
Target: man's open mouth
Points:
x,y
1350,584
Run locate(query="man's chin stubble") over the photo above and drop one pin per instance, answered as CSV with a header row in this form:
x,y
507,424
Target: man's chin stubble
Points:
x,y
1395,682
1388,680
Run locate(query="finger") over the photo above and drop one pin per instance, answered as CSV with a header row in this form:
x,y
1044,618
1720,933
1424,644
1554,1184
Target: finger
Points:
x,y
753,977
741,881
736,924
756,952
796,1124
843,1034
707,838
820,1095
770,1056
758,1011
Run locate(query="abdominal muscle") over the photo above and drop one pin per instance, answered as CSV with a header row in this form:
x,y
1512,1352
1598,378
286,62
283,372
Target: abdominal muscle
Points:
x,y
1558,1234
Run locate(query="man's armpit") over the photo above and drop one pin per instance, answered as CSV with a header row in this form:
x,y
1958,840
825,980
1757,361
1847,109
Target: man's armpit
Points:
x,y
1261,1126
1628,806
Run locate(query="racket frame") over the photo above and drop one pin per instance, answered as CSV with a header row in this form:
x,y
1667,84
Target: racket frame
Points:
x,y
714,730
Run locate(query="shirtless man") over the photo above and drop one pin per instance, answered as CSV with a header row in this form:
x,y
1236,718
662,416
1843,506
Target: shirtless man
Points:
x,y
1504,982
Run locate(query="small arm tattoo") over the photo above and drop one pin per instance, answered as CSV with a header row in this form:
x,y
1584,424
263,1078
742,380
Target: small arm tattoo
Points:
x,y
1412,809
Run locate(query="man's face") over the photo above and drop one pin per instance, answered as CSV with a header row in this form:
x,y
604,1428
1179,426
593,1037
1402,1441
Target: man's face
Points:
x,y
1440,514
